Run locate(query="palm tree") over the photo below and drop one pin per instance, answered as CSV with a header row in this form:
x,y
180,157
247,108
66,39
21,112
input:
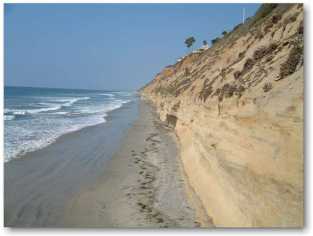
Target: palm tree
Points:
x,y
190,41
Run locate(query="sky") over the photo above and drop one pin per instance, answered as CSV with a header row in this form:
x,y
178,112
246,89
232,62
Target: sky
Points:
x,y
105,46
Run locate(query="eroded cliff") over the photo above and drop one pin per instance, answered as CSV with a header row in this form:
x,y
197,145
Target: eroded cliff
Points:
x,y
237,109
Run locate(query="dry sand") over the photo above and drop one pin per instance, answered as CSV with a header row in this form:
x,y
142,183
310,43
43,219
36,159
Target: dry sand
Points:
x,y
143,184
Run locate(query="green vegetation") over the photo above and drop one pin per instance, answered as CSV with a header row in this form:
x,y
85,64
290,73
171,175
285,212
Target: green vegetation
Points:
x,y
190,41
264,10
290,65
228,91
237,26
213,41
263,51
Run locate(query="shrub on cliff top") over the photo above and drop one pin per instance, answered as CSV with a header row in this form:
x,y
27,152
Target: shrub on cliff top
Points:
x,y
264,10
237,26
213,41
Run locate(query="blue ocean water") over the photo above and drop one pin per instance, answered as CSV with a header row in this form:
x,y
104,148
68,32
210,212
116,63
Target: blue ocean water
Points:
x,y
35,117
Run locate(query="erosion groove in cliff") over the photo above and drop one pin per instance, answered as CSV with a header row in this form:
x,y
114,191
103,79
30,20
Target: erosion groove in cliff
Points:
x,y
237,109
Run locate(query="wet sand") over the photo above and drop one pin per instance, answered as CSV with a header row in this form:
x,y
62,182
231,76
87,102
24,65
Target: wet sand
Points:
x,y
38,185
142,185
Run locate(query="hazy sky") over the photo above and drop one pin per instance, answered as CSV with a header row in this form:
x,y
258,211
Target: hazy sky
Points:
x,y
105,46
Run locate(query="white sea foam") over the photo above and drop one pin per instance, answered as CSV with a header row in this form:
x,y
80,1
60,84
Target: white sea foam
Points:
x,y
17,112
42,138
9,117
71,101
103,109
124,93
52,108
49,106
126,101
32,111
60,113
39,131
107,94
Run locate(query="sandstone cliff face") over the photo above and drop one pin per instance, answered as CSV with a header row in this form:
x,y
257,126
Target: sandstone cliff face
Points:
x,y
237,109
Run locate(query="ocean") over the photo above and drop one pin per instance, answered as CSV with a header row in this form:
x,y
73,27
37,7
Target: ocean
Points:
x,y
36,117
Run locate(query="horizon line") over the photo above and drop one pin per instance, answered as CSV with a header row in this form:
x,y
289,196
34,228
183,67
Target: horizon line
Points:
x,y
39,87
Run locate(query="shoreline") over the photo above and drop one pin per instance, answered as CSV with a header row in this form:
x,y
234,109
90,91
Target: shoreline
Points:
x,y
48,177
105,118
141,184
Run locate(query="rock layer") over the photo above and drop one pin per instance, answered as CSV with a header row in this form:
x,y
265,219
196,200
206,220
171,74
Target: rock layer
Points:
x,y
237,109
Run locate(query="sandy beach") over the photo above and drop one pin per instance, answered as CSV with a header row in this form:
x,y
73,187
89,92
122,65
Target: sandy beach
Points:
x,y
143,185
123,173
